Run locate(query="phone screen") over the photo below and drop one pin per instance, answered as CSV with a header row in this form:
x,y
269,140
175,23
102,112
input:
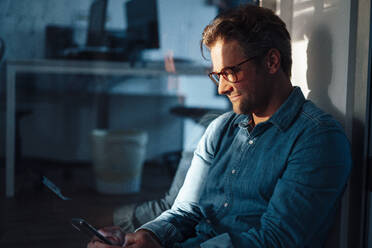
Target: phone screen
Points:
x,y
89,230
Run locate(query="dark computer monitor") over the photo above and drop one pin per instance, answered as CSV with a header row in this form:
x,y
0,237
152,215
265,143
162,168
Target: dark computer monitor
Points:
x,y
142,23
96,24
116,45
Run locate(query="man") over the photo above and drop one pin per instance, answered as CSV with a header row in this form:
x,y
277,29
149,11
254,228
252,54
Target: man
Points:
x,y
270,173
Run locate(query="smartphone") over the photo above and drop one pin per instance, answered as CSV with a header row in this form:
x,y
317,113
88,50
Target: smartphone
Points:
x,y
89,230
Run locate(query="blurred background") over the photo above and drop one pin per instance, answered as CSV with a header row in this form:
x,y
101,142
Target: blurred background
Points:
x,y
82,78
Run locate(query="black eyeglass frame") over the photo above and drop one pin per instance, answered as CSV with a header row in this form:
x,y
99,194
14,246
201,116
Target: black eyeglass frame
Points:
x,y
215,76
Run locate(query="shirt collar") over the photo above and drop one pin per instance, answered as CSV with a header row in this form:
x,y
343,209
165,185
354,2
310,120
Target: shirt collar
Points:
x,y
284,116
287,112
245,121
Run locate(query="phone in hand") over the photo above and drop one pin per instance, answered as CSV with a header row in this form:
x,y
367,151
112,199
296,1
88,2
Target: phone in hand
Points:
x,y
89,230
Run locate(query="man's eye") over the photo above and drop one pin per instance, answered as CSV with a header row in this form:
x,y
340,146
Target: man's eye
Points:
x,y
229,75
225,73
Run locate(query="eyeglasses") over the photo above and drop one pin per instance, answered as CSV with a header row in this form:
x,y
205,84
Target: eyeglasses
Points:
x,y
228,73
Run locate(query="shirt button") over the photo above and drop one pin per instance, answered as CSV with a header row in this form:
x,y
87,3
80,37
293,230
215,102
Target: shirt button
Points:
x,y
226,204
208,221
250,142
233,171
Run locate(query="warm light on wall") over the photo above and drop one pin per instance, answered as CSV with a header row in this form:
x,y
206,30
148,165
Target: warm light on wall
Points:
x,y
299,66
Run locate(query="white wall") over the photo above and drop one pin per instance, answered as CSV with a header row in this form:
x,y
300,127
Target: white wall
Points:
x,y
181,25
323,61
23,23
320,39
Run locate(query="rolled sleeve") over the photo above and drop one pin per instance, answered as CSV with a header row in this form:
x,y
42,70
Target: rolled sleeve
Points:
x,y
164,231
178,223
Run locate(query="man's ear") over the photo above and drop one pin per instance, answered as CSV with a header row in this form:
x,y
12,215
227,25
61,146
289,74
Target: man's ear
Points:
x,y
273,59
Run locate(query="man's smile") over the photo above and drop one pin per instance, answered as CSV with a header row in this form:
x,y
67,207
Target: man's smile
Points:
x,y
234,98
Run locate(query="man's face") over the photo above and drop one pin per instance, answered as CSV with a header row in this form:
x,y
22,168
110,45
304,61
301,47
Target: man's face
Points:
x,y
251,92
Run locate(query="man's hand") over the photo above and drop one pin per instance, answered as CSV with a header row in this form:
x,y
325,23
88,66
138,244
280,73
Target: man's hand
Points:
x,y
113,233
141,239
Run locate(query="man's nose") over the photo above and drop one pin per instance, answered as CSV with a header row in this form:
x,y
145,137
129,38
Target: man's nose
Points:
x,y
224,87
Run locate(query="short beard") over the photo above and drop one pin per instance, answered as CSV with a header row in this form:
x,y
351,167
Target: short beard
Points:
x,y
255,104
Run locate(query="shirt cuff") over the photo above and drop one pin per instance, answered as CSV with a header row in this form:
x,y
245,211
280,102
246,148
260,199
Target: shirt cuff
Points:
x,y
164,231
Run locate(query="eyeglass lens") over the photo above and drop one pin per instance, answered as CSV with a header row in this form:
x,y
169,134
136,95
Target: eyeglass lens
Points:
x,y
227,74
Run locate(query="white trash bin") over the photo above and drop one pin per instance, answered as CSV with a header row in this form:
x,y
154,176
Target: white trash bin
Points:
x,y
118,157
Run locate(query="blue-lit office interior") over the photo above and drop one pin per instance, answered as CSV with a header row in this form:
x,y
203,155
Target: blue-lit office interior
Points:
x,y
102,100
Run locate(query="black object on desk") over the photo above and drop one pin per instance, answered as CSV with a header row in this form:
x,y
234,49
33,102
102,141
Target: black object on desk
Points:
x,y
101,44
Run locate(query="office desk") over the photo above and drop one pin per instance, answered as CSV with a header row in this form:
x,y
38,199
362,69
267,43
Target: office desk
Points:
x,y
14,67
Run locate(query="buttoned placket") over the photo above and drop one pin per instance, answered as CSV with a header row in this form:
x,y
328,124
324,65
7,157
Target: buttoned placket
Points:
x,y
242,148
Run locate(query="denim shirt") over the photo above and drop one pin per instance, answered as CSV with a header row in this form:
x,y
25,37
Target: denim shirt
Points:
x,y
276,185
